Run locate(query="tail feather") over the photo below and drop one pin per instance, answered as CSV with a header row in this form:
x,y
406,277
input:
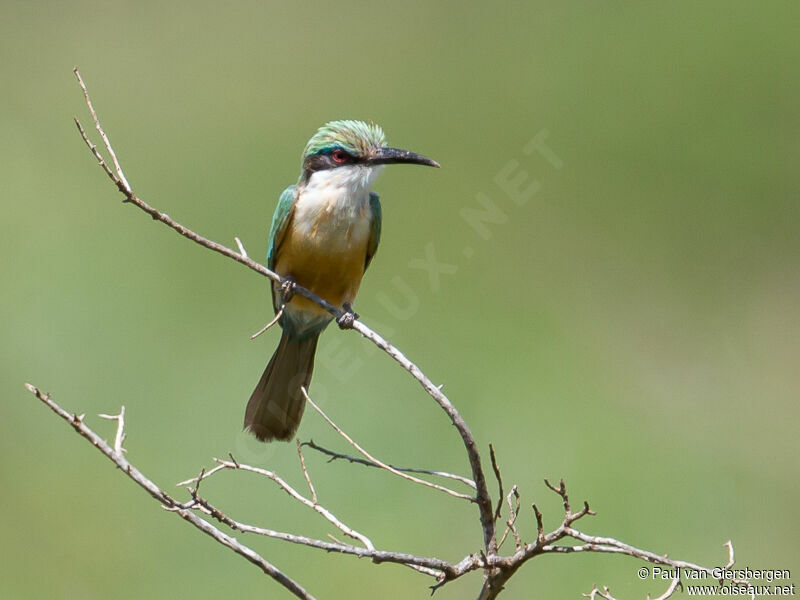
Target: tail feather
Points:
x,y
276,405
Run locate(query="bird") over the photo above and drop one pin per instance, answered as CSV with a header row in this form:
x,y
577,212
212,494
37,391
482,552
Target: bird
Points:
x,y
324,233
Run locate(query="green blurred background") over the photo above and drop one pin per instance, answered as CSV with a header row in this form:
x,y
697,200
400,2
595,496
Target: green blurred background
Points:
x,y
634,327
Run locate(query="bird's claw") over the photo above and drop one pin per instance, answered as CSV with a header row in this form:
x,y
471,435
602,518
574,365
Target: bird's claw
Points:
x,y
288,284
347,318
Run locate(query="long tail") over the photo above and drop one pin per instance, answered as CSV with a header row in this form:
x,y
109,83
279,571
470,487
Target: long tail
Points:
x,y
276,405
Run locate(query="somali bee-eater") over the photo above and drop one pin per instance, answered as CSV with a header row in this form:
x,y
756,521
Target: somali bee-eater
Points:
x,y
324,233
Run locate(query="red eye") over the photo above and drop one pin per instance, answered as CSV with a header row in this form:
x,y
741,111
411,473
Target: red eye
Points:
x,y
339,155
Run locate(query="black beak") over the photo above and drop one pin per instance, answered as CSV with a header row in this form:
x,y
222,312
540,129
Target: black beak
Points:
x,y
390,156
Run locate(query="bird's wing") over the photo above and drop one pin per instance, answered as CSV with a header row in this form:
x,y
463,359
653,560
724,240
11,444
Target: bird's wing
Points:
x,y
280,218
375,227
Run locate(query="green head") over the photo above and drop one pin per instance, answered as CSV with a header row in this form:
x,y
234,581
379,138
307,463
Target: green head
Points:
x,y
340,144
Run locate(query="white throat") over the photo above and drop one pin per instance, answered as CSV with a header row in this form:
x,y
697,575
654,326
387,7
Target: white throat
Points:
x,y
334,204
352,181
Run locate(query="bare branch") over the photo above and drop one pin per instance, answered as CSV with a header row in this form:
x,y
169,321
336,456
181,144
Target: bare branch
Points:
x,y
497,569
596,543
504,567
379,463
614,546
166,500
482,498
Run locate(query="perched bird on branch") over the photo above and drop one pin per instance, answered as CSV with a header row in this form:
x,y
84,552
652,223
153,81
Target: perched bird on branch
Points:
x,y
325,231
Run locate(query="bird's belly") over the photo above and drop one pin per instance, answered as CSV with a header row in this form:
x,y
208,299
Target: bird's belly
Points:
x,y
326,259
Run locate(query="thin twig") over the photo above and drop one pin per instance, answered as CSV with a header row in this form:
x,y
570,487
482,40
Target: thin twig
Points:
x,y
539,525
513,512
729,546
101,161
203,475
426,571
305,473
354,459
570,517
278,315
119,438
239,244
497,476
379,463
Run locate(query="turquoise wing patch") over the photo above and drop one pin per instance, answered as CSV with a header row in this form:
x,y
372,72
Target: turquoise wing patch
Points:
x,y
280,218
375,228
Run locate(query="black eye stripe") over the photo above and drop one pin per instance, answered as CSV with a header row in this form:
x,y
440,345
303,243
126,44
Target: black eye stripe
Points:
x,y
318,162
324,160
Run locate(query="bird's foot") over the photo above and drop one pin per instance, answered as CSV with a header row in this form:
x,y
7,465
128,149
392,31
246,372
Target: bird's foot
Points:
x,y
347,318
288,284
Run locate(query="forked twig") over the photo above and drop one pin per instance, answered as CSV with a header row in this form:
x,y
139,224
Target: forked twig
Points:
x,y
379,463
121,181
119,438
